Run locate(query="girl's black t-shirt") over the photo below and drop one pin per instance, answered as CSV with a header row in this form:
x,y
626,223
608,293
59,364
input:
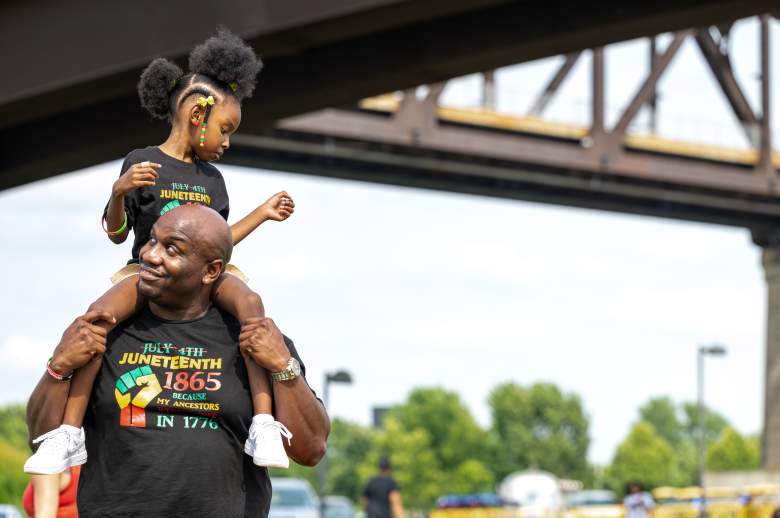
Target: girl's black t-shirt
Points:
x,y
166,424
179,183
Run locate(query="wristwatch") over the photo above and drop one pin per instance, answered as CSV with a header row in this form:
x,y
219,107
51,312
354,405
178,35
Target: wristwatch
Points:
x,y
292,371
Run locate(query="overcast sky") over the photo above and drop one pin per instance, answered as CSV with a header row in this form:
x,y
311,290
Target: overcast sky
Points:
x,y
410,288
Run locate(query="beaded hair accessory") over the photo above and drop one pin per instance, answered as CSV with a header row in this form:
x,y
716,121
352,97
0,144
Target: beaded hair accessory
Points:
x,y
205,102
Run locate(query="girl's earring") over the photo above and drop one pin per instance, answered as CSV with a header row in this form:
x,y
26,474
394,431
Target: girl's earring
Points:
x,y
203,133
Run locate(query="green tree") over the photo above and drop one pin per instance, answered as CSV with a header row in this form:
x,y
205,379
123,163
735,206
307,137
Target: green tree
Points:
x,y
472,476
539,427
13,453
714,423
733,452
453,433
297,471
663,414
13,480
349,444
642,456
678,425
13,428
415,466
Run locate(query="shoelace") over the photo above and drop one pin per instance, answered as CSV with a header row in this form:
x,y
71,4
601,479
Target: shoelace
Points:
x,y
57,435
284,431
279,426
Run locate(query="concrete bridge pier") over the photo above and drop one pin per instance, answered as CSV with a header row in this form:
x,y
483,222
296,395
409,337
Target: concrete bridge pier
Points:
x,y
770,259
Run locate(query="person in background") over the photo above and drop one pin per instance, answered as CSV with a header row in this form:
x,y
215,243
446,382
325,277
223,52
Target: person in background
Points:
x,y
638,503
52,496
382,496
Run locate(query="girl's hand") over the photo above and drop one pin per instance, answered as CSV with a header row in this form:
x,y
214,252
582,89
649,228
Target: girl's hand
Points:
x,y
279,207
138,175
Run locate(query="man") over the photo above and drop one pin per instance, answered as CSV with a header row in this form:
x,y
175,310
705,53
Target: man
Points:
x,y
637,502
382,495
171,407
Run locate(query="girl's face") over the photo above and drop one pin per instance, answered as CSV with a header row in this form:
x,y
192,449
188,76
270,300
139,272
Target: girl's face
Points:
x,y
223,121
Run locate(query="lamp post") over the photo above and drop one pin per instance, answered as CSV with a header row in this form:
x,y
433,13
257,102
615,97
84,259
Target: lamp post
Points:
x,y
704,350
340,376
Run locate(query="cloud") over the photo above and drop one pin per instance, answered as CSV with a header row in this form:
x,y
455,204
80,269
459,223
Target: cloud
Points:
x,y
19,352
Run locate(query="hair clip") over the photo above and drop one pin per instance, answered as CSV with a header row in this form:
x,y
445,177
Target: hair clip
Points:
x,y
203,101
233,86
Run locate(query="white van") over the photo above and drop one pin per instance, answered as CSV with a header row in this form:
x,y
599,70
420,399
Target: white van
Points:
x,y
293,498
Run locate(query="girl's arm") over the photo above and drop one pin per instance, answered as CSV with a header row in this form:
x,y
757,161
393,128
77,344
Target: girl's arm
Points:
x,y
137,175
278,207
46,494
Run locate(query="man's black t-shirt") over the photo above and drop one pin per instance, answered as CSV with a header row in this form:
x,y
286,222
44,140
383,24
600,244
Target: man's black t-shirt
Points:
x,y
179,183
166,424
377,493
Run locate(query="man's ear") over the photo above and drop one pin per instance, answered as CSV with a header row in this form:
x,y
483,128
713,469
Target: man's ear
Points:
x,y
213,271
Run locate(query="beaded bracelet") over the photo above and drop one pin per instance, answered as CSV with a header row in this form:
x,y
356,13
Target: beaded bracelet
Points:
x,y
114,232
56,375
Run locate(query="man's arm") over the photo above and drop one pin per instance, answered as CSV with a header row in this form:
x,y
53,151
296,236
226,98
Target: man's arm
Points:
x,y
80,342
395,504
304,415
294,402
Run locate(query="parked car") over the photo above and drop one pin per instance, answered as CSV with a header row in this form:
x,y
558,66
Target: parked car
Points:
x,y
9,511
594,503
339,507
293,498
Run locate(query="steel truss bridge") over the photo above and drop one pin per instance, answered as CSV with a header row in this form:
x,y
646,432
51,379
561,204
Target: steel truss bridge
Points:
x,y
322,106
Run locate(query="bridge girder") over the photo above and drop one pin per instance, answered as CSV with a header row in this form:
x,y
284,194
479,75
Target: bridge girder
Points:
x,y
70,100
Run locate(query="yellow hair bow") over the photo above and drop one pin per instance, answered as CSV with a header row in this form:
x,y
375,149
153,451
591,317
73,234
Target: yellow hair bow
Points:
x,y
203,101
233,86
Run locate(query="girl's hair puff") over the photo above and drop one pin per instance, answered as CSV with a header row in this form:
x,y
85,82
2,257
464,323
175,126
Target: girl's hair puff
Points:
x,y
157,83
221,64
226,58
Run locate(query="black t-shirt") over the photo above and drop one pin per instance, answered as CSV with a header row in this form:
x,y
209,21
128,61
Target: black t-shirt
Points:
x,y
377,492
179,183
166,424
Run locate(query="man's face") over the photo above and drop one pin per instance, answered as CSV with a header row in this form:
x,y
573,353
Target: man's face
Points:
x,y
172,268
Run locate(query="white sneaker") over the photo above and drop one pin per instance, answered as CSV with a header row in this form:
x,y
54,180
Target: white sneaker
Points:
x,y
264,443
60,449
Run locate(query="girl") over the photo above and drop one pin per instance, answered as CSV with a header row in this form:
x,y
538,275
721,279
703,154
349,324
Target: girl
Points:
x,y
204,109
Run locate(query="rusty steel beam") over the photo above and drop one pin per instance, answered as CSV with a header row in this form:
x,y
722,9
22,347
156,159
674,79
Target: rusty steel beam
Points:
x,y
555,83
720,64
489,90
597,94
370,147
652,102
555,153
647,88
766,130
315,57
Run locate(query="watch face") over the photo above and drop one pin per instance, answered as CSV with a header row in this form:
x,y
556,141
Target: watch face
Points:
x,y
295,366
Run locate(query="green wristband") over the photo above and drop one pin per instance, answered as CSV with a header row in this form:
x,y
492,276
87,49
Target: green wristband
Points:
x,y
117,231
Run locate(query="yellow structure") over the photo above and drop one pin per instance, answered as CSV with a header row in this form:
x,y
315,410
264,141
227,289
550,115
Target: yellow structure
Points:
x,y
485,118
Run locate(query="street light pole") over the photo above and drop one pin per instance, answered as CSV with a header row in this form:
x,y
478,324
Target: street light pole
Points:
x,y
341,376
704,350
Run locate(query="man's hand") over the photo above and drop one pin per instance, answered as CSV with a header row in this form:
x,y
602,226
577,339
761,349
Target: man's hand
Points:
x,y
278,207
262,341
81,342
137,175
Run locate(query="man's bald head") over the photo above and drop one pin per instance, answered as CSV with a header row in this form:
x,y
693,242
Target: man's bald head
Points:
x,y
205,228
186,254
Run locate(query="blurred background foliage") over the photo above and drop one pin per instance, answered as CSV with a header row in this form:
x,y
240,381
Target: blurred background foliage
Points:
x,y
437,447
